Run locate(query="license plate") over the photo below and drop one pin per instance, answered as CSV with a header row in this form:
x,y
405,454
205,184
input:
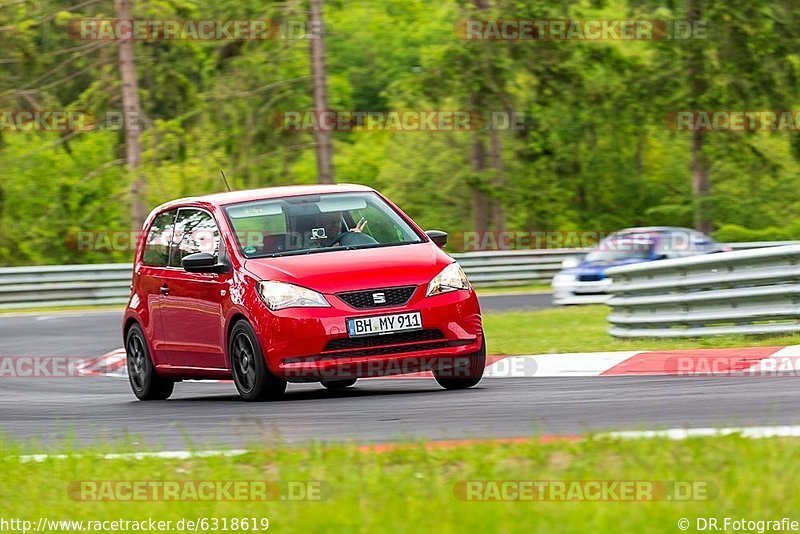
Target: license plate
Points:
x,y
383,324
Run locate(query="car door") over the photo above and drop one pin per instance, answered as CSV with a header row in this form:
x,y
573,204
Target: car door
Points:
x,y
151,273
192,302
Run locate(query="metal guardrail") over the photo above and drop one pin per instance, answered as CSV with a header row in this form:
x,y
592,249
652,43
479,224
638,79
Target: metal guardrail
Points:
x,y
64,285
514,266
102,284
742,292
108,284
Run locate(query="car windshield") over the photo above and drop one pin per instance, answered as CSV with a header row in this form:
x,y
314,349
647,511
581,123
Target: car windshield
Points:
x,y
317,223
621,249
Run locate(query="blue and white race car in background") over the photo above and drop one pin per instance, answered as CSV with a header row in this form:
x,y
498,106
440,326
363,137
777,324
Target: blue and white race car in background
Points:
x,y
583,281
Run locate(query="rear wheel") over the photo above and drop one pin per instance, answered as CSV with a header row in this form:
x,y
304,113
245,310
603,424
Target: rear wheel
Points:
x,y
250,374
339,384
145,382
464,376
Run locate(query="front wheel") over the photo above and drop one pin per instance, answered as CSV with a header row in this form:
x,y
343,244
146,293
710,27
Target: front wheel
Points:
x,y
145,382
464,376
250,374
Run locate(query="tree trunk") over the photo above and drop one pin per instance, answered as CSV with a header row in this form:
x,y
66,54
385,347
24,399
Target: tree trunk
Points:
x,y
701,185
701,182
498,216
320,83
132,114
480,204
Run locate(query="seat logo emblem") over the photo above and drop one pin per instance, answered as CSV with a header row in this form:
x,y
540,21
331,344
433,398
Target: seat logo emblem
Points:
x,y
379,298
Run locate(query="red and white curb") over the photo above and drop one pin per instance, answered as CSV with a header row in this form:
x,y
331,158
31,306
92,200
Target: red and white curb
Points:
x,y
113,364
747,361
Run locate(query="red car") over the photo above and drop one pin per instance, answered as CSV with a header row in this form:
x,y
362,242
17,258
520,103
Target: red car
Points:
x,y
296,284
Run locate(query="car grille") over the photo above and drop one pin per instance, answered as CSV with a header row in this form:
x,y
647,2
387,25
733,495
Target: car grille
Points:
x,y
399,349
393,296
590,277
417,336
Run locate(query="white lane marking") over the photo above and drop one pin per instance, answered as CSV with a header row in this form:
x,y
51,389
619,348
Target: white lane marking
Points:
x,y
168,455
750,432
554,365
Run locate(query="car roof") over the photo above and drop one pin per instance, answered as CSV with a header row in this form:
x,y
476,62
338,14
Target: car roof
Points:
x,y
653,230
234,197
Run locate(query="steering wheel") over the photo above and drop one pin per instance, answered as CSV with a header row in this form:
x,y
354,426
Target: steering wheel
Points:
x,y
363,238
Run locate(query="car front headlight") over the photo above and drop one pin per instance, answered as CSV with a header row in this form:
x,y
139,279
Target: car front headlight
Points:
x,y
570,262
452,278
280,295
564,278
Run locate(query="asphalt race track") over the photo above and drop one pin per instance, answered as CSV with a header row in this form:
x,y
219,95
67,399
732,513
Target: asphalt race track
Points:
x,y
206,415
87,334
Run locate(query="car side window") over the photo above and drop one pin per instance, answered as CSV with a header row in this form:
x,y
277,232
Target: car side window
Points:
x,y
195,231
684,245
156,246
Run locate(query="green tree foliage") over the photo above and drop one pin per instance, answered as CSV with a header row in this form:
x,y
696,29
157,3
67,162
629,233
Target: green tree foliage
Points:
x,y
595,152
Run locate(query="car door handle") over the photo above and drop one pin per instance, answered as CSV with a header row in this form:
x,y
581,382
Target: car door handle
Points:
x,y
165,289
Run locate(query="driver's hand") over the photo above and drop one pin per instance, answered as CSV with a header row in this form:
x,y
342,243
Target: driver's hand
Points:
x,y
360,226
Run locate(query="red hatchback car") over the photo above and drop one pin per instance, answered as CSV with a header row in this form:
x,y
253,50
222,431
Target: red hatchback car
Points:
x,y
296,284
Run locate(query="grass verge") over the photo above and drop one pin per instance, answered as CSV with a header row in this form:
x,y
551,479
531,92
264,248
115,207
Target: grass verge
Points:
x,y
50,309
523,288
583,329
412,489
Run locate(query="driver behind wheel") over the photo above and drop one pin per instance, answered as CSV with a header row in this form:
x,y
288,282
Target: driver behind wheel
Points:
x,y
331,230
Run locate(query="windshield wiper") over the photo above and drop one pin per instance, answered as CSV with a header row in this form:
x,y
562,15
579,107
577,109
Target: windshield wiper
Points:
x,y
332,249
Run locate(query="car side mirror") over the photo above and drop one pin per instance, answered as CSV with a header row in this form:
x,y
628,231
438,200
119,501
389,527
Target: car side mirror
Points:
x,y
202,262
438,237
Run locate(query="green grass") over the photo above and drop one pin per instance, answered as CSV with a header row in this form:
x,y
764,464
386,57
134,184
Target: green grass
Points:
x,y
411,489
583,329
49,309
520,288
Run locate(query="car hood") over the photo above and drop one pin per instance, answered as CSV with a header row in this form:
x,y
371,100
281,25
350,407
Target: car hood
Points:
x,y
595,266
347,270
598,268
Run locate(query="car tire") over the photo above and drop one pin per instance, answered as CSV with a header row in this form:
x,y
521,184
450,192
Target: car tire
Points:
x,y
253,380
339,384
476,363
145,381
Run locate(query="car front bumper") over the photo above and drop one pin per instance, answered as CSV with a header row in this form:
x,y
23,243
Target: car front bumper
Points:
x,y
577,292
312,344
